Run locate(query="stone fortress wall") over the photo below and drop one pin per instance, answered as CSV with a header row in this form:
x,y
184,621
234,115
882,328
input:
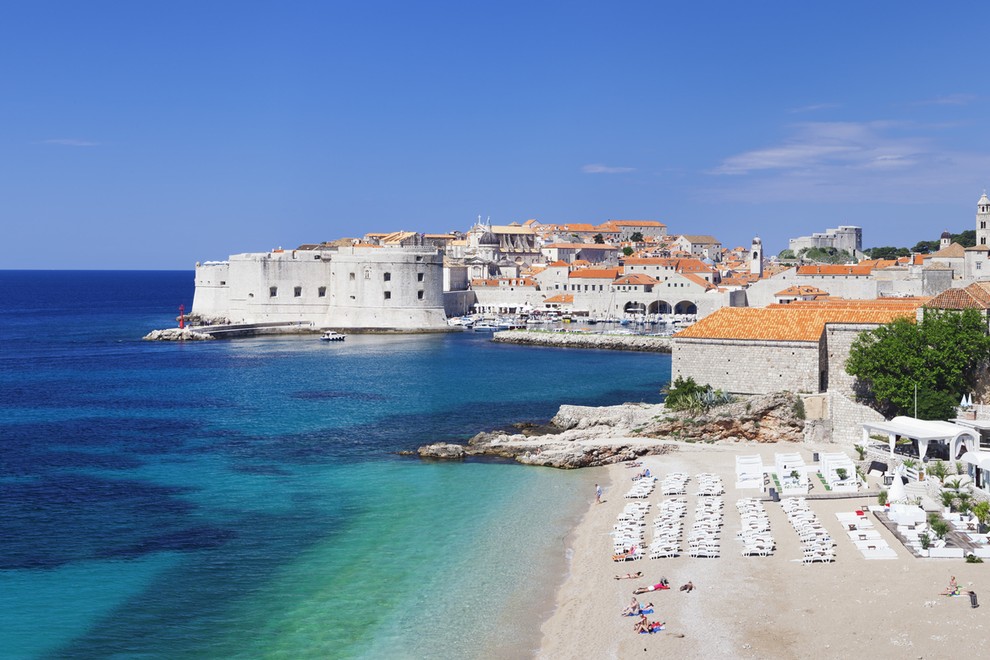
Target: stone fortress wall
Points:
x,y
346,288
748,366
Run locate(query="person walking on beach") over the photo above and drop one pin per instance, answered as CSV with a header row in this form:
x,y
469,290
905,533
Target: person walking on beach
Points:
x,y
598,494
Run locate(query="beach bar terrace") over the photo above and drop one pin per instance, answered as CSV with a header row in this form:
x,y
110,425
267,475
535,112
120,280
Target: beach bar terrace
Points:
x,y
954,440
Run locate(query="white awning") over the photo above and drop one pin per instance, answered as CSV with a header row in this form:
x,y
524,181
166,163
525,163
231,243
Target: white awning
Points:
x,y
980,459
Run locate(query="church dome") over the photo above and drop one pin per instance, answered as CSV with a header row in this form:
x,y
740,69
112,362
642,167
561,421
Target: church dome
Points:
x,y
946,234
488,238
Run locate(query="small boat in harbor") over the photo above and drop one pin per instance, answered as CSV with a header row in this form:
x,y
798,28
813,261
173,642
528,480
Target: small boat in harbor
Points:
x,y
330,335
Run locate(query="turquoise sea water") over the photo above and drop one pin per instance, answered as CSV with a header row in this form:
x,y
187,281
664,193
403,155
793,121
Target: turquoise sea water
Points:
x,y
244,498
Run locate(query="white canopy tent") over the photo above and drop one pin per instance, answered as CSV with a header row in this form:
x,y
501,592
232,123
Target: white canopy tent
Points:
x,y
924,431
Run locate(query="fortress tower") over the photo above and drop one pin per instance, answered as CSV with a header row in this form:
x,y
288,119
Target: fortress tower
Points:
x,y
983,221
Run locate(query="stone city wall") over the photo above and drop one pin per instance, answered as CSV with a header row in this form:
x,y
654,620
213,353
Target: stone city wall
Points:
x,y
748,367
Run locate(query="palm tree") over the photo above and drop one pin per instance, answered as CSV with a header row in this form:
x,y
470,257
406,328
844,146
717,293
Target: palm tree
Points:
x,y
948,499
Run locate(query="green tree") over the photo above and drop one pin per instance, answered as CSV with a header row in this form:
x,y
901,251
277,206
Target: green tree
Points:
x,y
938,355
627,251
888,252
786,254
637,237
599,239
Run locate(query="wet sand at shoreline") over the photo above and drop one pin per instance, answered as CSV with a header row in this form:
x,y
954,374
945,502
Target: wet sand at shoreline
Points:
x,y
759,607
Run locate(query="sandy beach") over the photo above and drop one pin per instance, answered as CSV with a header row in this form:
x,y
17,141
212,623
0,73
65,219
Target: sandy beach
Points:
x,y
759,607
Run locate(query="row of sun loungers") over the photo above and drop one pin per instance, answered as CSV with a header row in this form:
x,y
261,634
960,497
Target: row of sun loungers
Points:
x,y
710,484
816,543
668,528
704,540
628,532
755,533
674,483
642,488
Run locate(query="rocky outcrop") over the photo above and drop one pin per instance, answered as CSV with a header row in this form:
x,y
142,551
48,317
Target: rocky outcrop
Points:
x,y
176,334
441,450
775,417
582,436
584,340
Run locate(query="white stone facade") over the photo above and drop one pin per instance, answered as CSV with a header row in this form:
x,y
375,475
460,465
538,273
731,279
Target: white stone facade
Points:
x,y
347,288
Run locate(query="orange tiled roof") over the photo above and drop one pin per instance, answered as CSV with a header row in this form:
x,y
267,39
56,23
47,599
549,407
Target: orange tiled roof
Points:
x,y
785,323
802,290
634,223
975,296
700,281
562,298
597,273
953,251
559,264
834,302
636,279
579,227
834,269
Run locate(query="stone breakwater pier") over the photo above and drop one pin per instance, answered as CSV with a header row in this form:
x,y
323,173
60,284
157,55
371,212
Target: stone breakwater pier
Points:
x,y
585,340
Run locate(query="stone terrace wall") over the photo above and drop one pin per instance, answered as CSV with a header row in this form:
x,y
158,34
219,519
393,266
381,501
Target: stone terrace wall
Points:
x,y
847,417
839,338
748,367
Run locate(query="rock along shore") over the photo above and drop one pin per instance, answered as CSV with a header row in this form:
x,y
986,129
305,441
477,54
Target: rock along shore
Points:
x,y
584,340
586,436
176,334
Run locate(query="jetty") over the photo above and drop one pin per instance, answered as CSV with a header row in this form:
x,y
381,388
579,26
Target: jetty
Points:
x,y
621,342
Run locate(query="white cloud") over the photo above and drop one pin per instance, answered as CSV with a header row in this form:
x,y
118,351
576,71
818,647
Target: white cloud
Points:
x,y
877,161
598,168
949,99
71,142
814,107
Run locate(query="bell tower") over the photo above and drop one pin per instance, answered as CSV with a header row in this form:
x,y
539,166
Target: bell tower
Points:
x,y
983,221
756,257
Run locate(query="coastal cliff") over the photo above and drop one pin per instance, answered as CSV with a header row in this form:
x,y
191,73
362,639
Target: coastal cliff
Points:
x,y
583,436
584,340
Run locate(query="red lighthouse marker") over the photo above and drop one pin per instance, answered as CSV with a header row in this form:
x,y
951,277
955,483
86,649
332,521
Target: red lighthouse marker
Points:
x,y
182,316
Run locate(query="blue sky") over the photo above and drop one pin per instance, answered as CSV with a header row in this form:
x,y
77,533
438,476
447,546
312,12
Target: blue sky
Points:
x,y
154,135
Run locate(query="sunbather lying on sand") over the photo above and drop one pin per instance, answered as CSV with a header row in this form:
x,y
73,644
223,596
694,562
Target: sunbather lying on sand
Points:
x,y
689,587
630,576
662,584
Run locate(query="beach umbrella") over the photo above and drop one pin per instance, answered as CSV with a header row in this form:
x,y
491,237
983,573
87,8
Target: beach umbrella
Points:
x,y
897,493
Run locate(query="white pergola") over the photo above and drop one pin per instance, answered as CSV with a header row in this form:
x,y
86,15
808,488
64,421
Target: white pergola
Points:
x,y
924,431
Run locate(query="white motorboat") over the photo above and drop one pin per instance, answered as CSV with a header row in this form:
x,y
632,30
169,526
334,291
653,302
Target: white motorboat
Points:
x,y
330,335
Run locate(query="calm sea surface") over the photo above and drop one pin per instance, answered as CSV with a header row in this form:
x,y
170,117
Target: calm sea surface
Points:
x,y
244,498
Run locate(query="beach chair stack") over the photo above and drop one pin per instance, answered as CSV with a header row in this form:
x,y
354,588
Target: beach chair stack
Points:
x,y
674,483
628,533
642,488
755,532
816,544
710,485
668,528
704,540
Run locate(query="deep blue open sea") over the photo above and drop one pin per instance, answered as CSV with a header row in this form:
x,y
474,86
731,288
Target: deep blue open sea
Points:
x,y
244,498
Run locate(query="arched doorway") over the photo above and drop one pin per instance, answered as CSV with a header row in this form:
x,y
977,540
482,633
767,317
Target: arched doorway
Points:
x,y
659,307
634,308
685,307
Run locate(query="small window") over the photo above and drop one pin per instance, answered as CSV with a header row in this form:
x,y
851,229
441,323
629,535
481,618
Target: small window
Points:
x,y
322,292
223,283
272,291
352,277
419,294
296,292
418,259
419,277
388,295
388,277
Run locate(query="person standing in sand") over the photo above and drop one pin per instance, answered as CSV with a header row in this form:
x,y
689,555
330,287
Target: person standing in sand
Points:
x,y
598,494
